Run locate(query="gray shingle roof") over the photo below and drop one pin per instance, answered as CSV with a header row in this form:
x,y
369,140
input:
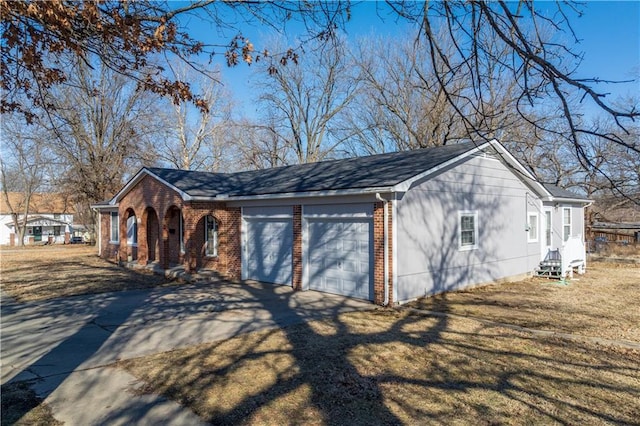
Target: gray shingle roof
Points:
x,y
373,171
558,192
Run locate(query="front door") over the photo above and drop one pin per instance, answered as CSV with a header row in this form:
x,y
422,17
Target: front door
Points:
x,y
37,233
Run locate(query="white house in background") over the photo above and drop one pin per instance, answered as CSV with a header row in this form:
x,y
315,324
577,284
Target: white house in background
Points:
x,y
387,228
50,219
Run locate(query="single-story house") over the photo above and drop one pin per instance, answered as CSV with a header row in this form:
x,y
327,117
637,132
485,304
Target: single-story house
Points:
x,y
49,219
388,228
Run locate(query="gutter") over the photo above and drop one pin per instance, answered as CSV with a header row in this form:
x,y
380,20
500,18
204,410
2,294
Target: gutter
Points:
x,y
386,247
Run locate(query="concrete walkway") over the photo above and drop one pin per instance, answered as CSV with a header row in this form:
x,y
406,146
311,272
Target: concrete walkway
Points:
x,y
66,346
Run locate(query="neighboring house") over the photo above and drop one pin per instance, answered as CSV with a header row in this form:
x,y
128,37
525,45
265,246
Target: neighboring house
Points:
x,y
387,228
49,220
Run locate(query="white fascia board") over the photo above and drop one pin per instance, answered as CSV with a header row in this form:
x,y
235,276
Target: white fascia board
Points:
x,y
406,185
105,206
285,195
137,178
567,200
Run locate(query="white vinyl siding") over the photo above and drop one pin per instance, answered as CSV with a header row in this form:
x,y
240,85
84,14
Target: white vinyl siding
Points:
x,y
115,234
211,236
468,230
566,223
532,227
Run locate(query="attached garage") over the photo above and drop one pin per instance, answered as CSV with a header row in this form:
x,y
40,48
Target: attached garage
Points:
x,y
268,244
339,249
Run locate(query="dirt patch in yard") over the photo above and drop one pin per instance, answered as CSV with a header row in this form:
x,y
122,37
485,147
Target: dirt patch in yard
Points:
x,y
601,303
395,367
47,272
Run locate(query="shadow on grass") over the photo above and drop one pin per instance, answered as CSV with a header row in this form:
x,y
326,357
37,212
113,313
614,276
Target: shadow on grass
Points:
x,y
388,367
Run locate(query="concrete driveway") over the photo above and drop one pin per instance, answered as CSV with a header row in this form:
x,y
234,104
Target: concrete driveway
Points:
x,y
66,346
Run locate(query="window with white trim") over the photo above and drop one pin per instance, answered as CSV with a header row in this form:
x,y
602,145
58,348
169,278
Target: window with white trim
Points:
x,y
467,230
211,236
115,228
132,231
547,228
532,227
566,223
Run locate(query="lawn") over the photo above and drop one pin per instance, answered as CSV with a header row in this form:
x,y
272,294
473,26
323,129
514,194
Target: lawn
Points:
x,y
47,272
387,366
398,367
602,303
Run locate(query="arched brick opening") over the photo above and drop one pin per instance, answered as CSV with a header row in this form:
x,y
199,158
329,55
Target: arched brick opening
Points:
x,y
172,233
152,235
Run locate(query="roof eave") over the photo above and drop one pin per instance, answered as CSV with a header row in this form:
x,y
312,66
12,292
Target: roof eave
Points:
x,y
307,194
552,199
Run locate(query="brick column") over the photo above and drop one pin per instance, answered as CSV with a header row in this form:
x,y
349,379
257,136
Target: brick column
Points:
x,y
378,253
230,236
297,248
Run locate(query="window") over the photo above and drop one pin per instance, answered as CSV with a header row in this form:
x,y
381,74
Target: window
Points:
x,y
132,231
115,234
56,215
468,230
56,231
547,228
181,233
532,227
211,236
566,223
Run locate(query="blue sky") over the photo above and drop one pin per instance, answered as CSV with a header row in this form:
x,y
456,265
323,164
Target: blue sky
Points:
x,y
609,33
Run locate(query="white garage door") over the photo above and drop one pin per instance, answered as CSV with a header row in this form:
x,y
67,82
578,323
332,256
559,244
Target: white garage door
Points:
x,y
339,256
268,249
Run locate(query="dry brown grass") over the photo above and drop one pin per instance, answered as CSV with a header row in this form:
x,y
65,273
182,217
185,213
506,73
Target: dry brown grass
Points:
x,y
47,272
394,367
21,406
601,303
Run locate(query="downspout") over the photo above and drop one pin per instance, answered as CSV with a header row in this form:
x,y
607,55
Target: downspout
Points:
x,y
386,247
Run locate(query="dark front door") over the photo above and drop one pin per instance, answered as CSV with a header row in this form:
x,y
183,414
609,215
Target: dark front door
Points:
x,y
37,233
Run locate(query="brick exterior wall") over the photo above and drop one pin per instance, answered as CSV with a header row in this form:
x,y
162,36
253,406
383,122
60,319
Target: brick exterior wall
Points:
x,y
378,253
297,247
157,209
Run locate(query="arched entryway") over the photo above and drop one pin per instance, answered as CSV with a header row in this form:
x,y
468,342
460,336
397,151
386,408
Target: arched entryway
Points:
x,y
152,225
131,234
173,235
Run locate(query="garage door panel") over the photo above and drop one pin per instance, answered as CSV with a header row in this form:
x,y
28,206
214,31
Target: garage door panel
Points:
x,y
339,256
268,250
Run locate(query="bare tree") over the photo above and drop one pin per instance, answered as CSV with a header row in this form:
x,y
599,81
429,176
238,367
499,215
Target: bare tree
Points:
x,y
258,146
306,98
126,36
399,107
101,131
540,61
194,139
23,169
